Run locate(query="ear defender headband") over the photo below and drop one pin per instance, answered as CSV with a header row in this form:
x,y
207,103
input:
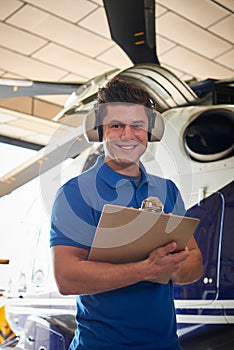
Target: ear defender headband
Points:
x,y
93,129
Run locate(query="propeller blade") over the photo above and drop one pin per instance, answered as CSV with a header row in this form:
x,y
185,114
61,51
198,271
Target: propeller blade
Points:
x,y
132,27
15,88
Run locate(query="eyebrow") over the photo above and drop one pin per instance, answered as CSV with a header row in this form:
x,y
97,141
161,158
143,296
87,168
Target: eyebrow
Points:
x,y
120,122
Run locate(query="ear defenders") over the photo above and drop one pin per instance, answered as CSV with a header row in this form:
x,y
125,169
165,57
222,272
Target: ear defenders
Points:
x,y
93,129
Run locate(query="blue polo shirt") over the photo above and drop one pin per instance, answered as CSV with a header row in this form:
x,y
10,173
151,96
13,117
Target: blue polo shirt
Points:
x,y
140,316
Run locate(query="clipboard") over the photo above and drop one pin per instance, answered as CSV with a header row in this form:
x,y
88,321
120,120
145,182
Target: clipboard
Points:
x,y
128,235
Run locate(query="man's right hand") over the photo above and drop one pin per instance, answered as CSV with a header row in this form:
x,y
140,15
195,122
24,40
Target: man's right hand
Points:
x,y
163,262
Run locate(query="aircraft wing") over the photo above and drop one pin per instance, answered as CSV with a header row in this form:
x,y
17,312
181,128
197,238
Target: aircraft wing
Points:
x,y
16,88
55,152
63,137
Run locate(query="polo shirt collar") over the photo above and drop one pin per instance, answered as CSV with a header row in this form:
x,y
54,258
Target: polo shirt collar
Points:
x,y
115,180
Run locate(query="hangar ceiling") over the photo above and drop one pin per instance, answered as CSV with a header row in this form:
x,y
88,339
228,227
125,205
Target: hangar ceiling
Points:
x,y
63,41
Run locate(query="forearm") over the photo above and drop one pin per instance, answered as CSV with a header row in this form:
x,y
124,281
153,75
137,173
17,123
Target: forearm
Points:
x,y
87,277
191,270
76,275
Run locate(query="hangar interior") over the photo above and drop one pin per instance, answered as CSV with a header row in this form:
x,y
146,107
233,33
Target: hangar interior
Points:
x,y
70,42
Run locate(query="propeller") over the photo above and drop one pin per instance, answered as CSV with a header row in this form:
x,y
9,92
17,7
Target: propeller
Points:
x,y
132,27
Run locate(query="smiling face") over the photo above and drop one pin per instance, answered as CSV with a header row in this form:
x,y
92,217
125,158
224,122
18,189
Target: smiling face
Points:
x,y
125,137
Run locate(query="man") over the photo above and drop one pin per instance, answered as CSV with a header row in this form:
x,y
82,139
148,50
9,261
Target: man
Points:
x,y
118,305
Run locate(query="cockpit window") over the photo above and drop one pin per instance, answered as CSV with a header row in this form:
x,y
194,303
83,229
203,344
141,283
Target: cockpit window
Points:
x,y
210,136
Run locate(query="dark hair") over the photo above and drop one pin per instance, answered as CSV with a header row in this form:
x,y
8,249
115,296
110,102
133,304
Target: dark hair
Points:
x,y
117,90
121,91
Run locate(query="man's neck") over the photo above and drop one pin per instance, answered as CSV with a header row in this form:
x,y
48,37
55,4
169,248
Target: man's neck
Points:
x,y
126,169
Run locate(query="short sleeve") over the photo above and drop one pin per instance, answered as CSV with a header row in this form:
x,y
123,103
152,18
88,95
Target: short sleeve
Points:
x,y
72,219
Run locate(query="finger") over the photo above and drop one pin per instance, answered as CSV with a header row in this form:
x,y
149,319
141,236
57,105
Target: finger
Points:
x,y
164,251
180,256
170,247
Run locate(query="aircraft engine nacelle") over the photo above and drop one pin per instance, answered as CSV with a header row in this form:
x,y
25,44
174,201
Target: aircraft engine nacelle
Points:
x,y
198,142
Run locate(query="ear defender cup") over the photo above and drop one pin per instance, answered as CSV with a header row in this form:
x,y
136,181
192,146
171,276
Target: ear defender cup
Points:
x,y
93,131
90,127
157,127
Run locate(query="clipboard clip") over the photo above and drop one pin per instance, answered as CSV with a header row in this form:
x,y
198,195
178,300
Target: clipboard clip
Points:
x,y
152,204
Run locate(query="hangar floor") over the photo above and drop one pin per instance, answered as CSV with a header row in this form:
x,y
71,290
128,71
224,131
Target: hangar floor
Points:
x,y
215,337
